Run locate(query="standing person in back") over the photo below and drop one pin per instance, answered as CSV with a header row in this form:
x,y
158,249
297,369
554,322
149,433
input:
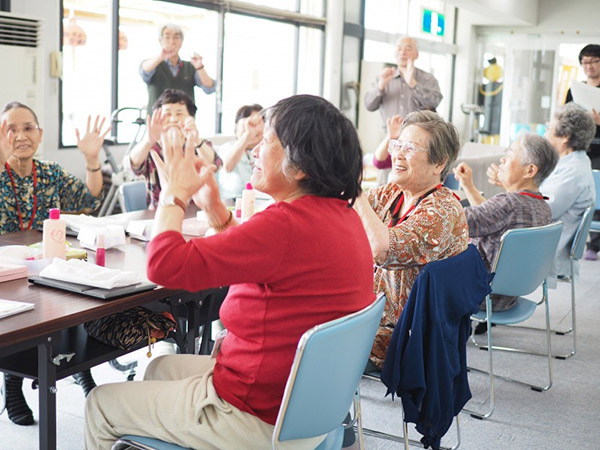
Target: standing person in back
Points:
x,y
167,70
589,58
404,89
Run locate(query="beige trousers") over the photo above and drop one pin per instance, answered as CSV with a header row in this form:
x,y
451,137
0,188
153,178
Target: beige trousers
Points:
x,y
176,403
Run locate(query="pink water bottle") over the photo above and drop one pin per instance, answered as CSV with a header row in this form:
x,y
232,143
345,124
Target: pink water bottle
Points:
x,y
54,235
248,198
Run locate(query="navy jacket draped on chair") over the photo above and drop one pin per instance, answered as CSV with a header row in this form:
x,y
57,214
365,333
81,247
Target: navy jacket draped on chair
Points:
x,y
426,360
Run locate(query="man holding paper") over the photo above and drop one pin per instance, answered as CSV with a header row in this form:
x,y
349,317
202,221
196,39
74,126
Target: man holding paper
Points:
x,y
589,58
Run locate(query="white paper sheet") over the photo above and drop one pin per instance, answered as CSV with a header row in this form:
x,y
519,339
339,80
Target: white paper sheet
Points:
x,y
88,274
586,95
10,307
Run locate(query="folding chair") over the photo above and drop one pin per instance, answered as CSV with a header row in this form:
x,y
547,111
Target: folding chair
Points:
x,y
132,196
324,377
426,361
522,264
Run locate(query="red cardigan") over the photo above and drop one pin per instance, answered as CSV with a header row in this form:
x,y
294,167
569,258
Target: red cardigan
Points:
x,y
290,267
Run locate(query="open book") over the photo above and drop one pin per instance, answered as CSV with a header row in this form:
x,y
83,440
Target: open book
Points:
x,y
10,307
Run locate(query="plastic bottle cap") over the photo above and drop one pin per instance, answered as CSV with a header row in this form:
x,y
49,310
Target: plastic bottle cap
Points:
x,y
248,185
54,213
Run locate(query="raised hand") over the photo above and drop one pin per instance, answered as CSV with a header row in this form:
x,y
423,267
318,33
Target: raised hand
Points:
x,y
190,130
196,61
464,174
409,73
6,143
181,172
91,143
492,174
385,77
155,126
394,124
167,53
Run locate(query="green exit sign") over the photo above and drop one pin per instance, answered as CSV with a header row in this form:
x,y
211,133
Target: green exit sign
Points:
x,y
433,22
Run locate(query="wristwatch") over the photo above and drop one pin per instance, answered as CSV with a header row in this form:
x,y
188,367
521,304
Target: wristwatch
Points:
x,y
171,200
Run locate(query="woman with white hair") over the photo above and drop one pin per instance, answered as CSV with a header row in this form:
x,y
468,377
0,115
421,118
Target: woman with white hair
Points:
x,y
570,186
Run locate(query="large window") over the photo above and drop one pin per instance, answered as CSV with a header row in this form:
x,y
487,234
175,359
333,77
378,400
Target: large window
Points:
x,y
256,56
86,75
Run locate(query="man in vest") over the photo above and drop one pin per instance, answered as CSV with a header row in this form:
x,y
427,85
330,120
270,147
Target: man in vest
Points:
x,y
168,71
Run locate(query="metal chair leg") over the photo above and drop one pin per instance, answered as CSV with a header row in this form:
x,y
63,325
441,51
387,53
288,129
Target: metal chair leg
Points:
x,y
490,348
475,414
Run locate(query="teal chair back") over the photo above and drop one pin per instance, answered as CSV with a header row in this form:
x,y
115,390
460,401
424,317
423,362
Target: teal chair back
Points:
x,y
515,274
133,196
327,368
578,245
329,363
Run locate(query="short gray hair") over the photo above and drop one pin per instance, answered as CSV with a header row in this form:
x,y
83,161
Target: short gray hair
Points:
x,y
443,141
576,124
170,26
539,152
408,37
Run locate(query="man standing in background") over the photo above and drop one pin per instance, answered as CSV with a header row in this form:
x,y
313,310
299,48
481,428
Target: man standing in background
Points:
x,y
402,90
589,58
168,71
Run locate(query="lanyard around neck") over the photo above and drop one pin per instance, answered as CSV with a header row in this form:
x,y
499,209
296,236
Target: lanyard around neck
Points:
x,y
398,204
529,194
17,197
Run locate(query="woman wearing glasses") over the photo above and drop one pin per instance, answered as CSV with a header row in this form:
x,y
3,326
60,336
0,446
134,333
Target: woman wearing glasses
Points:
x,y
29,189
413,219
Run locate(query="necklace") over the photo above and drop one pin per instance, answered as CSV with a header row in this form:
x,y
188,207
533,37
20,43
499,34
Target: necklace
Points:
x,y
17,197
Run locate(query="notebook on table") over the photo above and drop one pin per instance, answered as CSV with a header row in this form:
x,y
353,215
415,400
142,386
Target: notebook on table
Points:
x,y
10,307
105,294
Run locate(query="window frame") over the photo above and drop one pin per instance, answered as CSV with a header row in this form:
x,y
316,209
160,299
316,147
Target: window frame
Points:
x,y
294,18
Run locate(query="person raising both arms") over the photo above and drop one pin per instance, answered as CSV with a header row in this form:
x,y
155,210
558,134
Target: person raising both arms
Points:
x,y
174,112
168,71
404,89
30,188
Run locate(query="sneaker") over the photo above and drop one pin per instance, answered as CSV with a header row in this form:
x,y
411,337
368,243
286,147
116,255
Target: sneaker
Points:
x,y
590,255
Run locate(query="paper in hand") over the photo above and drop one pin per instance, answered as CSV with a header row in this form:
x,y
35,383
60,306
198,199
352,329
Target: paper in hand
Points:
x,y
585,95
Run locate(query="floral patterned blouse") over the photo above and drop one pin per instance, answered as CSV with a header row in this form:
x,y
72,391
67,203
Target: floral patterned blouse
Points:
x,y
56,188
436,229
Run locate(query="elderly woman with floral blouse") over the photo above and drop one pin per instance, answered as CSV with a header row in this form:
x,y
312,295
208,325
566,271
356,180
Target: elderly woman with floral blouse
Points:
x,y
414,219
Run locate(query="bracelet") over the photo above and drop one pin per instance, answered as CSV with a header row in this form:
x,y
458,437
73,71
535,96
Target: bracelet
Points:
x,y
94,170
224,224
201,67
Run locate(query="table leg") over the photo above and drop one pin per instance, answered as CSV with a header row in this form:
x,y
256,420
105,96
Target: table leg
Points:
x,y
47,396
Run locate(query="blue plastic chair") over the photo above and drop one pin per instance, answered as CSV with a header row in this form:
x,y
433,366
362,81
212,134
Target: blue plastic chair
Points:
x,y
523,262
323,381
596,223
132,196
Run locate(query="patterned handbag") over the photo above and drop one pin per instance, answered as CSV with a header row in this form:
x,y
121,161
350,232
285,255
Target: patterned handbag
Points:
x,y
128,329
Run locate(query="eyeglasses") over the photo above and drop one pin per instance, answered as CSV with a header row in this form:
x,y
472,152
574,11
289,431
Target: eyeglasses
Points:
x,y
27,129
408,148
590,62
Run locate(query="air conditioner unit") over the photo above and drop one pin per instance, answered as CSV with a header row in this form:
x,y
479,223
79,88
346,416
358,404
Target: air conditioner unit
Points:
x,y
20,53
